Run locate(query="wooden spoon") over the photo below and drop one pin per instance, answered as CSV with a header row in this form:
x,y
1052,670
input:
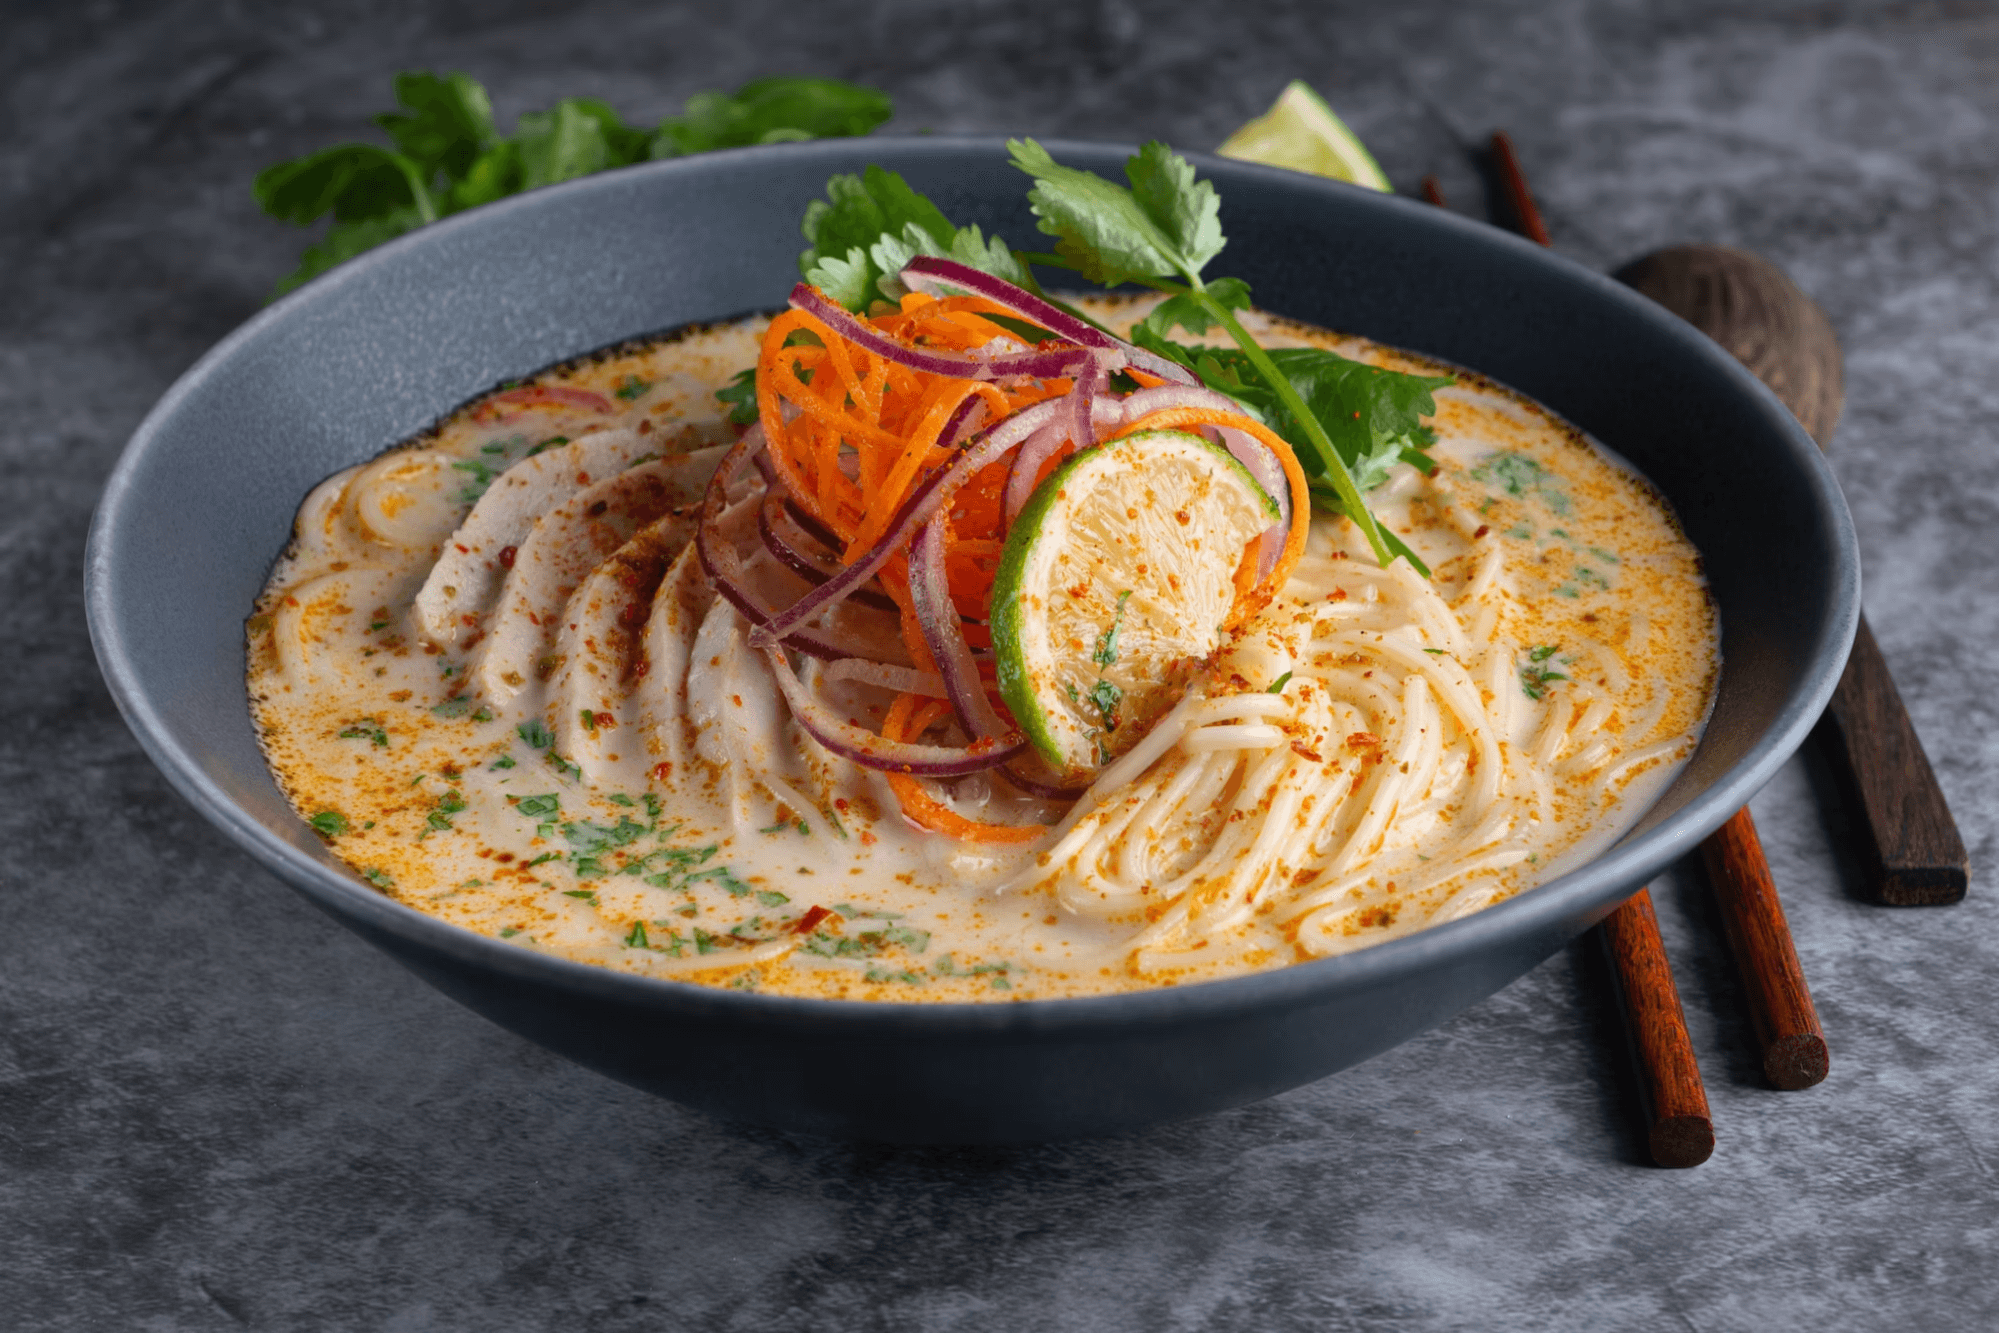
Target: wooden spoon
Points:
x,y
1907,839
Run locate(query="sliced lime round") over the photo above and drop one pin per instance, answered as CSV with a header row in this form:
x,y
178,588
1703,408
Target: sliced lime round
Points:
x,y
1113,588
1301,132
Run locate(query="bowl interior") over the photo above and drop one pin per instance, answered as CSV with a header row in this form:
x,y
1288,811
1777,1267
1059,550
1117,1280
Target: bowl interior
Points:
x,y
204,498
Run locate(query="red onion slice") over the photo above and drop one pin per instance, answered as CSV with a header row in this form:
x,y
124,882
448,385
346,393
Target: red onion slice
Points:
x,y
1040,787
878,752
929,274
1056,362
930,592
1027,464
925,500
724,567
1077,423
782,533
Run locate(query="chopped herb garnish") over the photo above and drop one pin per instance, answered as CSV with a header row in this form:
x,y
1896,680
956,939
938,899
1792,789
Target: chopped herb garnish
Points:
x,y
587,895
1105,696
535,734
1536,678
619,799
455,707
330,824
505,761
376,876
636,937
1105,653
366,729
770,898
546,804
1277,687
450,156
632,388
741,396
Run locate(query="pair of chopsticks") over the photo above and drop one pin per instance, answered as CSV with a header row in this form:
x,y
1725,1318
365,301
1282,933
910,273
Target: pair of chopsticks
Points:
x,y
1680,1130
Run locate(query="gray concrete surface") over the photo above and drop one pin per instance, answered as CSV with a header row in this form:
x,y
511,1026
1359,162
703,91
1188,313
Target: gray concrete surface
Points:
x,y
217,1110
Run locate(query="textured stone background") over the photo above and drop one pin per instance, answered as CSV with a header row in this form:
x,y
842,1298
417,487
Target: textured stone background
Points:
x,y
218,1110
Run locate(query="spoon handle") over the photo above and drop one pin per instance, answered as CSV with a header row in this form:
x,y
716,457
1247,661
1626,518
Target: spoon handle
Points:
x,y
1907,840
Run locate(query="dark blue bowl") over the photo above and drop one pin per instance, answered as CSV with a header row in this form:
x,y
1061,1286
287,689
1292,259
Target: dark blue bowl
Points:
x,y
203,499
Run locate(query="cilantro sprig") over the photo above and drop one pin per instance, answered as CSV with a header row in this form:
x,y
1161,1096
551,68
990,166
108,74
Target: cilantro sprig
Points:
x,y
1161,231
448,156
868,227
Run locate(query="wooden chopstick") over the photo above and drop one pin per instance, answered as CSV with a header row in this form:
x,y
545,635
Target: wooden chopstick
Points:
x,y
1678,1130
1514,185
1752,917
1787,1026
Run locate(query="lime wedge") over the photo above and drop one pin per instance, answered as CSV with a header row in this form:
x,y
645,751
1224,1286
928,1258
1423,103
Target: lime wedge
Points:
x,y
1301,132
1113,587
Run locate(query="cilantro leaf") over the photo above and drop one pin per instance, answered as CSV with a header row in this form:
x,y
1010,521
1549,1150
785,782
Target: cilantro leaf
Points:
x,y
353,182
1187,210
1184,312
967,245
344,240
448,125
577,137
1374,417
770,111
869,226
1167,224
448,156
741,396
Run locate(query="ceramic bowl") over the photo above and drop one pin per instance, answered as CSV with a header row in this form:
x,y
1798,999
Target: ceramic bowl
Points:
x,y
203,498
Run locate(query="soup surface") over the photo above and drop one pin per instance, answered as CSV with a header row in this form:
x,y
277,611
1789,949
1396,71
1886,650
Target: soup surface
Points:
x,y
491,673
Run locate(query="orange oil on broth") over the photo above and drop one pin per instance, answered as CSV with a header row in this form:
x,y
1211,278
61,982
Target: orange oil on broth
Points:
x,y
577,758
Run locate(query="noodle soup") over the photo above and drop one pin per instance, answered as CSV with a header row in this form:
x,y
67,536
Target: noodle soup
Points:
x,y
495,674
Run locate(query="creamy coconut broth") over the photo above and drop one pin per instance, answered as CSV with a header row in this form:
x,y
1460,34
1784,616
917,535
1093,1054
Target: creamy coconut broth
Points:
x,y
492,675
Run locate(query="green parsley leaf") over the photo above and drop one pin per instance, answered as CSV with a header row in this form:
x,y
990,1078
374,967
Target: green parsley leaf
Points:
x,y
368,729
741,396
345,240
636,937
535,734
1166,225
330,824
535,807
769,111
869,226
448,156
448,124
1105,653
1374,417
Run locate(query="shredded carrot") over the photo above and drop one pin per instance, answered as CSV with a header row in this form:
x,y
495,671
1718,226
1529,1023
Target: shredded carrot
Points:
x,y
909,717
851,434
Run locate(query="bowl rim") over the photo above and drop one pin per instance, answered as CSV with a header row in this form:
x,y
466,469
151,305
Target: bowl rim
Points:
x,y
1551,906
